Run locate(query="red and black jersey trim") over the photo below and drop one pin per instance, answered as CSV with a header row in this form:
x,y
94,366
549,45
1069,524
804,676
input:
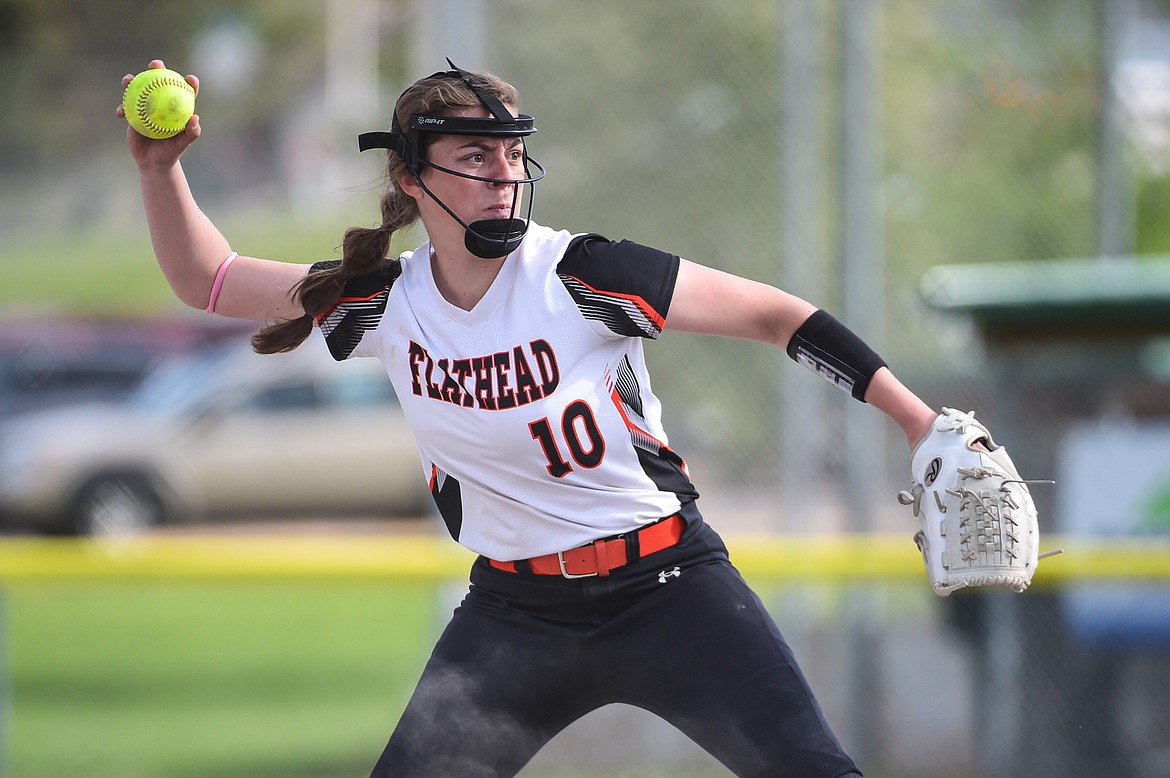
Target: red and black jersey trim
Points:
x,y
659,462
446,494
624,285
359,309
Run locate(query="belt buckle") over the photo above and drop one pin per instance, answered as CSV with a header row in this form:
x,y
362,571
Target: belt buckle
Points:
x,y
567,574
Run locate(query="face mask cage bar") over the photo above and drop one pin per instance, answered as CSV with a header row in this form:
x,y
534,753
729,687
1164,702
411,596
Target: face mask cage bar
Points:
x,y
489,238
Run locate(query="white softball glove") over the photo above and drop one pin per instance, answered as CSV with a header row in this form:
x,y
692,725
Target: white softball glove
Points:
x,y
978,522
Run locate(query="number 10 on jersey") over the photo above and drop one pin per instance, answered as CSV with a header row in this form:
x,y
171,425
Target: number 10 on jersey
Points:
x,y
581,437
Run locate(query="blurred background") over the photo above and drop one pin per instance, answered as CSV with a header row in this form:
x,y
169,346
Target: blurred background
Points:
x,y
982,190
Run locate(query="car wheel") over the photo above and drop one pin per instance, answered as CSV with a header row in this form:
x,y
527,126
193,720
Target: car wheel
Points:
x,y
116,505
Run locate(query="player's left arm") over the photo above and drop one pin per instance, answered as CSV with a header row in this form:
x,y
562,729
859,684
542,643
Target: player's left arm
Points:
x,y
711,302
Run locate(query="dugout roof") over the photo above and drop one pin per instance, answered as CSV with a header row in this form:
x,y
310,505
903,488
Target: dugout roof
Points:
x,y
1108,297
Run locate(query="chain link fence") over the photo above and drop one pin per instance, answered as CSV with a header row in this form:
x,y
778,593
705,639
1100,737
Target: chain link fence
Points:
x,y
906,135
842,150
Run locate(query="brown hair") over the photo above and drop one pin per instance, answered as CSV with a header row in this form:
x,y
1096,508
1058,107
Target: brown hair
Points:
x,y
364,249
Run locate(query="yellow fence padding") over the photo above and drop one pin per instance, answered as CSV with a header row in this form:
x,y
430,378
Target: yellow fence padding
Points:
x,y
431,557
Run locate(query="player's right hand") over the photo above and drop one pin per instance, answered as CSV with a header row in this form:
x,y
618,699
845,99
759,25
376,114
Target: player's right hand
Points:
x,y
160,153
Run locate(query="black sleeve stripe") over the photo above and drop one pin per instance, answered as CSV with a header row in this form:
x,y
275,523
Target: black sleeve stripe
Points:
x,y
358,310
623,314
624,285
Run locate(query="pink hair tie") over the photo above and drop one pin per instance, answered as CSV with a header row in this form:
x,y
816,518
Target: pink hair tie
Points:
x,y
218,284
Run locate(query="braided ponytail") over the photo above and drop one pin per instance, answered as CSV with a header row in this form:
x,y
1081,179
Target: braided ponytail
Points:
x,y
364,249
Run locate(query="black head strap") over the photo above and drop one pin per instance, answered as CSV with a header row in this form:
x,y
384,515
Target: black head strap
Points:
x,y
382,140
405,142
486,238
498,110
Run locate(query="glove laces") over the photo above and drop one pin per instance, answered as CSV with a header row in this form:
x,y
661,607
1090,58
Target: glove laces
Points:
x,y
956,421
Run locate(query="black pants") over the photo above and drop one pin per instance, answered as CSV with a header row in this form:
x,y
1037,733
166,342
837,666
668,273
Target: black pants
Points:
x,y
678,633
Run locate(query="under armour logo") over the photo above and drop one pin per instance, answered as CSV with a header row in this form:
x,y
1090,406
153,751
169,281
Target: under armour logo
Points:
x,y
673,573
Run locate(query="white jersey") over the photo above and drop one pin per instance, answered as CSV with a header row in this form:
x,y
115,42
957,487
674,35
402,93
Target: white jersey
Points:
x,y
532,412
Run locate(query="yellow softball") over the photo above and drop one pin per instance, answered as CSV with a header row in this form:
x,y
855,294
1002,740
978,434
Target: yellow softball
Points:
x,y
158,103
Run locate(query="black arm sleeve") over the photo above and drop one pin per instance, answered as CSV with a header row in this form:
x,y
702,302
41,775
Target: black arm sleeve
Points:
x,y
831,350
625,285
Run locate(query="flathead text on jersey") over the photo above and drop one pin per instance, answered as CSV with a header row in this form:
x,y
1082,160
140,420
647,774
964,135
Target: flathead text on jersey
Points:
x,y
493,382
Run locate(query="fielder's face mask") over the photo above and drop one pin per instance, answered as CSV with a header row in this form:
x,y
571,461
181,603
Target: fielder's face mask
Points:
x,y
486,238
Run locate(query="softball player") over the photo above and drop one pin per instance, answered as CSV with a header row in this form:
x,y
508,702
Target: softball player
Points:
x,y
517,353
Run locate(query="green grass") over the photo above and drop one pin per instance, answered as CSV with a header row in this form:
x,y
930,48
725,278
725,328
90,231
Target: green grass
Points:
x,y
110,268
98,271
202,680
220,680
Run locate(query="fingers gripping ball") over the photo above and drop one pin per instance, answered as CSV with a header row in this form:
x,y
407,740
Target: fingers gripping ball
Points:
x,y
158,103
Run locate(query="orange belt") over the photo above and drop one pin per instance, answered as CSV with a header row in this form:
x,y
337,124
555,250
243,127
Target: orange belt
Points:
x,y
601,556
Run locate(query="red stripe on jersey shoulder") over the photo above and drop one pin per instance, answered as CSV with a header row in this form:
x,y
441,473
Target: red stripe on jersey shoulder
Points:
x,y
638,301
